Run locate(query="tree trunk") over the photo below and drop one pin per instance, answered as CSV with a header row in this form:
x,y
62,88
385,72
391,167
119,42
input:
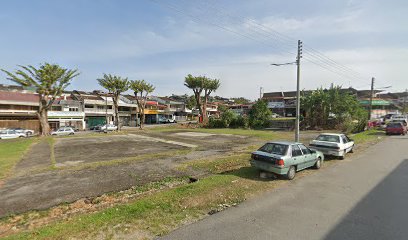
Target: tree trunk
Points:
x,y
115,103
142,120
198,101
205,117
43,118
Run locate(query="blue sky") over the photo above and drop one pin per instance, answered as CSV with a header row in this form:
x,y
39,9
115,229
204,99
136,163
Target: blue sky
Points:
x,y
151,40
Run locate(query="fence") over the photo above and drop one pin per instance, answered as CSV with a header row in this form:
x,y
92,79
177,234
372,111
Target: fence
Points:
x,y
27,124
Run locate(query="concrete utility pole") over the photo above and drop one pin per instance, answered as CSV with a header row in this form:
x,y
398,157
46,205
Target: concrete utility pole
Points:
x,y
371,99
260,93
404,109
297,124
299,56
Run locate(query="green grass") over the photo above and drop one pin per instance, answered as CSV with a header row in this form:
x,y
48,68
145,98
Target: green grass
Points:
x,y
11,152
368,136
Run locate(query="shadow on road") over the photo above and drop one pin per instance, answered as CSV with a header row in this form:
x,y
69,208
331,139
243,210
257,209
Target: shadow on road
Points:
x,y
382,214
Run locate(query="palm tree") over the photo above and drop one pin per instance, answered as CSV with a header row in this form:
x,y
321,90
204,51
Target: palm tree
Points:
x,y
49,80
115,85
141,89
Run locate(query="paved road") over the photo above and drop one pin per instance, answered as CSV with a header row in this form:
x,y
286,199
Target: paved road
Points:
x,y
364,197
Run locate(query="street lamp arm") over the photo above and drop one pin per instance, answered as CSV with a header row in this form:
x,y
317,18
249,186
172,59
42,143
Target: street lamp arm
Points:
x,y
281,64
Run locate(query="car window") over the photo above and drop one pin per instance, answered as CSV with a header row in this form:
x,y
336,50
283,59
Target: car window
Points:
x,y
344,139
328,138
304,149
3,132
274,148
296,151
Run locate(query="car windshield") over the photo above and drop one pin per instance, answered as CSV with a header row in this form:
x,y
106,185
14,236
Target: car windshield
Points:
x,y
274,148
328,138
394,125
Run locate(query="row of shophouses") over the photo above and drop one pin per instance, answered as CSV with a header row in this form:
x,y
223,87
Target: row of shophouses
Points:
x,y
80,109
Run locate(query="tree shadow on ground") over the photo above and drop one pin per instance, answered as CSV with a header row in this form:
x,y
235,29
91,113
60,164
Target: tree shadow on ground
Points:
x,y
381,214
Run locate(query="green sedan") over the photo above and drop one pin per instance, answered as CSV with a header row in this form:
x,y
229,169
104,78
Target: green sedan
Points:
x,y
286,158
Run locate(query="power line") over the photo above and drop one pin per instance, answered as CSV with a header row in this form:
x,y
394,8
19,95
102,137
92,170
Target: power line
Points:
x,y
313,56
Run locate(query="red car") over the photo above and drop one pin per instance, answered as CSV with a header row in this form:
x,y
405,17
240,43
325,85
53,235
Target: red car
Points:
x,y
396,128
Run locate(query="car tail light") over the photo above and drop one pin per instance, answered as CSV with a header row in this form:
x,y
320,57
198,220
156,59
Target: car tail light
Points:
x,y
280,162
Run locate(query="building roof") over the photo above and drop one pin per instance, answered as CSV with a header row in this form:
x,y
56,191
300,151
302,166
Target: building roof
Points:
x,y
19,97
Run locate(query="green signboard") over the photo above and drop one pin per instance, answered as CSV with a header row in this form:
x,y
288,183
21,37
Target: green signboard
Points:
x,y
376,102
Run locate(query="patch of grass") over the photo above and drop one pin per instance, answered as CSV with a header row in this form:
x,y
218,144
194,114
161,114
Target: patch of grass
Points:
x,y
11,152
372,135
158,213
222,164
127,159
51,143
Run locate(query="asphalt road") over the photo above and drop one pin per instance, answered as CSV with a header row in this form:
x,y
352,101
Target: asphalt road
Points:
x,y
363,197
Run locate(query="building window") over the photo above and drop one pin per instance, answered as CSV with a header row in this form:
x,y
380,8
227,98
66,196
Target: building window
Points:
x,y
73,109
89,106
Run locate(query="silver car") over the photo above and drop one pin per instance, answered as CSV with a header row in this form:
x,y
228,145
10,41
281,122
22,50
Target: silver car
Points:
x,y
63,131
8,134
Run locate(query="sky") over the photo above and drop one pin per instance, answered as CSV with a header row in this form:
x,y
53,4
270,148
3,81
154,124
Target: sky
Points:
x,y
234,41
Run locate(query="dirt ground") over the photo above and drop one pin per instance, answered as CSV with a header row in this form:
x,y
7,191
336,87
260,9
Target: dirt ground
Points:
x,y
81,167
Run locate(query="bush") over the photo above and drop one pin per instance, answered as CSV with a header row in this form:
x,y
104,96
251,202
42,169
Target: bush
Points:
x,y
259,115
216,123
239,122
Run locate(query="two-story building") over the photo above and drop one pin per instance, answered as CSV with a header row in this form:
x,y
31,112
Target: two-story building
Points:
x,y
18,108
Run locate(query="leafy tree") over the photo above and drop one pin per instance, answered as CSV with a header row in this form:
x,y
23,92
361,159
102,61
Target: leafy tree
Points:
x,y
333,108
191,102
115,85
241,100
49,80
198,85
141,89
259,115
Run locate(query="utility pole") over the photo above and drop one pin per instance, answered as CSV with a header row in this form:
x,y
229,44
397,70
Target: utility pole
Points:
x,y
371,99
297,123
404,109
260,93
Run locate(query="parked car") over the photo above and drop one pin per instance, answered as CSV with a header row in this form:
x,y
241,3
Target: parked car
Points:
x,y
8,134
96,127
285,158
398,117
275,115
396,128
76,129
333,144
63,131
108,127
171,120
27,132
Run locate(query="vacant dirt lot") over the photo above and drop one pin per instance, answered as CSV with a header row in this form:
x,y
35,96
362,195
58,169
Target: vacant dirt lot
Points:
x,y
66,169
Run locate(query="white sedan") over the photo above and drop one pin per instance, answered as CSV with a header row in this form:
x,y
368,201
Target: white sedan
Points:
x,y
8,134
108,127
333,144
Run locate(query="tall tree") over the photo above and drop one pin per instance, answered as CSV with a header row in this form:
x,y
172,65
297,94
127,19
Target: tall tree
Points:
x,y
49,80
141,90
115,85
198,85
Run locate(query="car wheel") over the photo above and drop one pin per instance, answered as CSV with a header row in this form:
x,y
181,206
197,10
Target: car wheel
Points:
x,y
291,173
318,163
